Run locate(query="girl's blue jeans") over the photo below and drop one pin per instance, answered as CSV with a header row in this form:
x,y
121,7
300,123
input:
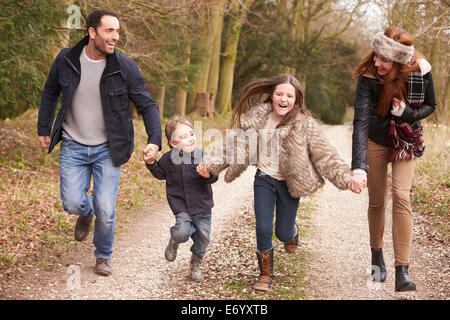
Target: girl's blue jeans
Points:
x,y
272,195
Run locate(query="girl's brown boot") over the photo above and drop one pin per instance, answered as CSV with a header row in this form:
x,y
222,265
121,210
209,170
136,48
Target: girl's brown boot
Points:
x,y
265,262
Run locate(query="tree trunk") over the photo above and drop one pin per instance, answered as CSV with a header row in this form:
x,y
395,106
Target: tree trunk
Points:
x,y
213,78
62,39
209,31
181,93
158,94
160,100
232,33
446,102
204,104
209,27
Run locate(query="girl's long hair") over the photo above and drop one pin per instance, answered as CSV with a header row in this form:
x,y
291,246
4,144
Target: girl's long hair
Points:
x,y
394,83
261,90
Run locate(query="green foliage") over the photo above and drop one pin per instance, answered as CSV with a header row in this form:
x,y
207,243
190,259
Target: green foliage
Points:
x,y
27,29
328,89
266,49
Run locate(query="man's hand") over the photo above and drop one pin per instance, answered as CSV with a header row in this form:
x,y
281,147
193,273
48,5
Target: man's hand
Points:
x,y
150,152
44,141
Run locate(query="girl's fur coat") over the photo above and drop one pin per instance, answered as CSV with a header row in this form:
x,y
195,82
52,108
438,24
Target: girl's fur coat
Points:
x,y
305,154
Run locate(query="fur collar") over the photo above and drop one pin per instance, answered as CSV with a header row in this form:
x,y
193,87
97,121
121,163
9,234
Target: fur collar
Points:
x,y
257,116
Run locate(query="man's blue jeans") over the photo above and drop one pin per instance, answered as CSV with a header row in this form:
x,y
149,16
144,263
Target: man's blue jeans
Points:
x,y
77,164
268,194
197,226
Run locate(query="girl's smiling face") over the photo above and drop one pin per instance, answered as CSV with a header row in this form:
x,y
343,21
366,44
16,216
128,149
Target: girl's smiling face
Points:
x,y
183,138
283,99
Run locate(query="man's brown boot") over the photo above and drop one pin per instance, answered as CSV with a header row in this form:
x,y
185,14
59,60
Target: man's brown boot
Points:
x,y
102,267
82,228
265,261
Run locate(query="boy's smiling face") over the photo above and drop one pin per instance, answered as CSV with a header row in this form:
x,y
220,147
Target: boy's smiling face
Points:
x,y
183,138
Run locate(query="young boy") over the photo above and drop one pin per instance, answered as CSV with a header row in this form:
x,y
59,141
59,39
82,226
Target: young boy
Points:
x,y
188,191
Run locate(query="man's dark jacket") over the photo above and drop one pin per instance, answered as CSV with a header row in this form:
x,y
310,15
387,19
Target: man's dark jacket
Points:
x,y
121,82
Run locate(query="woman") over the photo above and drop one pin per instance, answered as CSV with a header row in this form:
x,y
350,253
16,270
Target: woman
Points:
x,y
394,92
291,154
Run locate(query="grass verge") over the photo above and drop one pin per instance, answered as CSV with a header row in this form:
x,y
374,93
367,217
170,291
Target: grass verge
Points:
x,y
34,229
430,194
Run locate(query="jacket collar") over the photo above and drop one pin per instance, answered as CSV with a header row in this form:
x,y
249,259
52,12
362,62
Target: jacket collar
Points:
x,y
112,64
257,116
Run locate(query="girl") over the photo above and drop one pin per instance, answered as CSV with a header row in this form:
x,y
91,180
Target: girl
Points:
x,y
291,155
394,92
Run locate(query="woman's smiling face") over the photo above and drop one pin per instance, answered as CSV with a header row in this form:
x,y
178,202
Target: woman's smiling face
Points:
x,y
283,99
383,65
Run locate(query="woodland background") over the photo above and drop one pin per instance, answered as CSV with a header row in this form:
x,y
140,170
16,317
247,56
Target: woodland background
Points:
x,y
195,55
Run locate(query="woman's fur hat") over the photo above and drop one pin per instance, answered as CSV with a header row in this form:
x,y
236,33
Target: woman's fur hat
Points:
x,y
392,49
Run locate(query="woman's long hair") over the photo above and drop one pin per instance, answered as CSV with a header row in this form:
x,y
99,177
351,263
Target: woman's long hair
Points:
x,y
261,90
394,83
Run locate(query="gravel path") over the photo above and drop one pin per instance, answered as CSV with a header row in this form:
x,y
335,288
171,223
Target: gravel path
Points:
x,y
340,244
337,244
140,270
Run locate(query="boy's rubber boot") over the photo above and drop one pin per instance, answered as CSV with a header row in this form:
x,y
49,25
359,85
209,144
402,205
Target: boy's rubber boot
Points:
x,y
171,250
265,262
196,274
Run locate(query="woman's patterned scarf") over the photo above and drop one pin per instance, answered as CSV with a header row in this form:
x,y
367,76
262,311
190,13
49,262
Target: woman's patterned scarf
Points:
x,y
406,139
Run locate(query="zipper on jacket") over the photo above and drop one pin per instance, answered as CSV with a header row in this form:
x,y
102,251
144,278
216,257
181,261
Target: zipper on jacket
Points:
x,y
71,64
69,103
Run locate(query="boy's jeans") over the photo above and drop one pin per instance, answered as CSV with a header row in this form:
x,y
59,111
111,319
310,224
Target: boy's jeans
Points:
x,y
77,163
197,226
268,193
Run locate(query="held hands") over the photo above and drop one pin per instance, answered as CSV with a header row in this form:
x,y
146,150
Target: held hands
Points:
x,y
357,182
203,171
149,153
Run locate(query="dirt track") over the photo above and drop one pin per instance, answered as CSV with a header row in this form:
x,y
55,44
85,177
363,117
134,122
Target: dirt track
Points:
x,y
338,244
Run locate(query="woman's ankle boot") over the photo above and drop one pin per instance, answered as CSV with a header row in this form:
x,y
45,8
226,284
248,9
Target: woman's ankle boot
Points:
x,y
265,261
402,282
378,266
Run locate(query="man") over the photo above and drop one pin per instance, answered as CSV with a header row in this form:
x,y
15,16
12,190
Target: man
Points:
x,y
95,126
